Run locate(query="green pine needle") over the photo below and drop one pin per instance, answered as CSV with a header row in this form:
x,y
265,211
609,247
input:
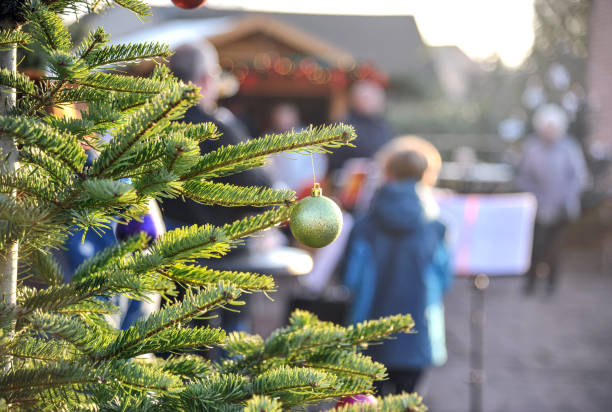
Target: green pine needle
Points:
x,y
17,81
109,257
229,159
188,367
126,53
8,38
263,403
181,245
35,133
201,276
119,83
148,120
160,328
222,194
45,268
48,29
257,223
138,7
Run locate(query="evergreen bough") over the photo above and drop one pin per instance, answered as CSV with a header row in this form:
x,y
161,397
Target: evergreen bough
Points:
x,y
57,349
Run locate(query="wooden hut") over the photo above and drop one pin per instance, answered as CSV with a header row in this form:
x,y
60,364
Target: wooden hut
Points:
x,y
274,62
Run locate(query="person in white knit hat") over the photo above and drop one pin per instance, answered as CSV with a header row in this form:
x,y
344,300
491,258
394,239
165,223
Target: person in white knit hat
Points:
x,y
554,170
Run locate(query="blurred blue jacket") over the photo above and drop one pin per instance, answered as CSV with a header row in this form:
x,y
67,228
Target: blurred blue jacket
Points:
x,y
396,262
79,249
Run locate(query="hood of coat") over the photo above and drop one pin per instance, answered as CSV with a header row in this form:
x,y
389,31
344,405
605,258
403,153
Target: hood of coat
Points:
x,y
397,207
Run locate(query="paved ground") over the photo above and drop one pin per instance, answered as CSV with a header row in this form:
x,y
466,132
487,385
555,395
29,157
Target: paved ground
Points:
x,y
542,354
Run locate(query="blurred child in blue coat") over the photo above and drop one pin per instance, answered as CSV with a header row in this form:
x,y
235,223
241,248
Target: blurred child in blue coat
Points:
x,y
397,262
80,247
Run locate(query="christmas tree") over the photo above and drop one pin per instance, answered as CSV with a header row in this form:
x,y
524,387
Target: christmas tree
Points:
x,y
57,349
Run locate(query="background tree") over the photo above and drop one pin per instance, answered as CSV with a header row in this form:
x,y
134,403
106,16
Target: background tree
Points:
x,y
561,45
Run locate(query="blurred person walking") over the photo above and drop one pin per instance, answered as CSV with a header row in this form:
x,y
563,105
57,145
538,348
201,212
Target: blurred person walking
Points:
x,y
397,262
367,101
199,64
554,170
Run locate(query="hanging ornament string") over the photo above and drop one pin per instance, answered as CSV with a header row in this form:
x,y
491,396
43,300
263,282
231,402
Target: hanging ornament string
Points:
x,y
314,175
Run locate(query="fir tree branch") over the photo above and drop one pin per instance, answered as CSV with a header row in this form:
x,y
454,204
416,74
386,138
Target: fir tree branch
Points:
x,y
48,164
198,132
47,28
93,306
295,344
343,387
156,183
263,403
181,245
93,41
82,95
142,377
392,403
46,100
54,297
188,367
146,158
126,53
175,339
105,283
134,340
225,159
243,344
36,133
257,223
70,330
138,7
284,379
53,375
46,382
215,392
111,256
37,349
106,192
17,81
147,120
222,194
345,364
119,83
201,276
10,38
29,183
287,343
45,268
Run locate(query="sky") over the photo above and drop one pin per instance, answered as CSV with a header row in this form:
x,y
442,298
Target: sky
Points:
x,y
480,28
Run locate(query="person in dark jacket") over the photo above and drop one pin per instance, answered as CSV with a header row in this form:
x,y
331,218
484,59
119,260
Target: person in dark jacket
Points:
x,y
199,65
397,263
367,100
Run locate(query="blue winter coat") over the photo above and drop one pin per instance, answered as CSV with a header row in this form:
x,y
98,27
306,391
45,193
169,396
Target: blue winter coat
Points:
x,y
79,249
397,263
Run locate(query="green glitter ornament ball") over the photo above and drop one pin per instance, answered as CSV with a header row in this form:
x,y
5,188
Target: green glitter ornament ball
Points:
x,y
316,220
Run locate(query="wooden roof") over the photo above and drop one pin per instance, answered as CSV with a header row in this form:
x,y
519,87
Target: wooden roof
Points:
x,y
295,39
392,43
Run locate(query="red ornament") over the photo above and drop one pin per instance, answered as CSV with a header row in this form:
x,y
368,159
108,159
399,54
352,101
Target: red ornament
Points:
x,y
188,4
349,400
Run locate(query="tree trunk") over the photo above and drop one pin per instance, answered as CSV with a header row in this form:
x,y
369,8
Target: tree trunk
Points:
x,y
9,156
